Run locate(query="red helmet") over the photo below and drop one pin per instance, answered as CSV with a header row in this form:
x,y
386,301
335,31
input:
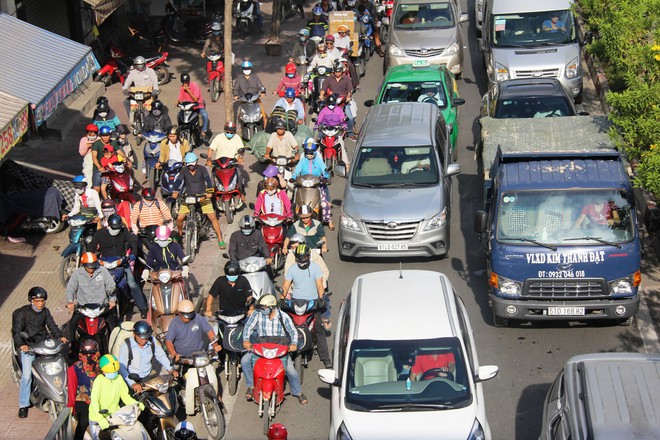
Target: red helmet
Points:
x,y
92,127
148,194
290,68
277,431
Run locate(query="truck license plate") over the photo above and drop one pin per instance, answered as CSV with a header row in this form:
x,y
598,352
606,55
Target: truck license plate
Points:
x,y
393,247
566,311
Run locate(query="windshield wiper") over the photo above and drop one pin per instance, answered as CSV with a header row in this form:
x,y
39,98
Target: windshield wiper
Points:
x,y
598,239
529,240
408,406
366,185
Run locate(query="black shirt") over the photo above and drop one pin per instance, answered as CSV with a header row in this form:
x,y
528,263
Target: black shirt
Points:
x,y
197,183
36,324
113,246
231,297
242,246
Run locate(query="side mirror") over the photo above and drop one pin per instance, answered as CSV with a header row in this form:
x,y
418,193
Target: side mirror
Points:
x,y
369,103
458,101
583,113
225,255
142,260
240,151
588,37
251,205
464,18
185,259
203,155
480,44
328,376
453,169
484,373
314,120
480,221
340,170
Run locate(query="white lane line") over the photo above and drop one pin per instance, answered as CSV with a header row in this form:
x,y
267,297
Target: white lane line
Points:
x,y
645,325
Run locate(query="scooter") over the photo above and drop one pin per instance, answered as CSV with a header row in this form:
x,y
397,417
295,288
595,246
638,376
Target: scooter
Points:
x,y
201,391
308,192
189,120
230,328
81,231
151,155
197,226
177,30
140,101
249,114
331,141
215,69
124,424
171,182
284,166
49,375
92,325
121,183
159,396
245,16
227,189
118,64
302,313
274,232
269,376
314,82
254,269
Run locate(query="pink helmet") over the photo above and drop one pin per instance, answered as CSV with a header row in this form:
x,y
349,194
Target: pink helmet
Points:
x,y
270,171
162,233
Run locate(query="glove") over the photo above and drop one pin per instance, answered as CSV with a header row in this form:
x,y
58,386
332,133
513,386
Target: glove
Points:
x,y
185,271
145,275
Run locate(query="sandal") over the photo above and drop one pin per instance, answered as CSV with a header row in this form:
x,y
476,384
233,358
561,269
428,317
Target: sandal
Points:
x,y
248,393
302,399
222,245
327,325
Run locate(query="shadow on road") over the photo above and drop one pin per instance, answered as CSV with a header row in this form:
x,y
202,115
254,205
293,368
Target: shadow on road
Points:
x,y
529,412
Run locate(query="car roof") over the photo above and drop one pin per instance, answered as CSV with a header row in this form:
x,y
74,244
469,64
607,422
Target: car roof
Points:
x,y
530,87
419,298
408,73
405,124
522,6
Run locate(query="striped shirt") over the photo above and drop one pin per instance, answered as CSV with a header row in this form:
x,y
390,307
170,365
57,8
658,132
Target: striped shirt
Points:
x,y
270,327
156,214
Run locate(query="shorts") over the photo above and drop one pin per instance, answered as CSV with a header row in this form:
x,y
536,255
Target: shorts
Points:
x,y
105,180
96,177
207,207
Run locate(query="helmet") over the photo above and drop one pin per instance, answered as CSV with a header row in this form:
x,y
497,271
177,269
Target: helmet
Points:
x,y
163,233
230,127
267,300
289,93
37,292
185,431
303,255
216,27
108,207
365,18
304,32
338,67
317,10
321,47
190,158
113,137
185,78
297,238
351,3
305,211
105,131
115,222
108,147
89,346
331,100
232,268
330,39
186,309
139,63
102,99
271,171
89,260
309,146
343,27
270,182
246,65
79,182
157,105
102,107
148,194
280,124
277,431
142,329
290,68
173,130
109,364
246,224
92,127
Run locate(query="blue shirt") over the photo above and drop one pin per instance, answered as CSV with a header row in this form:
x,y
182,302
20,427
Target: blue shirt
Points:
x,y
317,167
296,105
304,281
188,337
270,327
142,362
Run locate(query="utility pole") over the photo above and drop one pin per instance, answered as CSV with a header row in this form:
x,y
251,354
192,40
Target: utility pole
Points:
x,y
229,94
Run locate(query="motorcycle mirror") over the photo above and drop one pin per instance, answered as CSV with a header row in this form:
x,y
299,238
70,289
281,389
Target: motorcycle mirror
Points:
x,y
241,150
143,261
225,255
314,119
292,180
279,289
251,205
203,155
185,259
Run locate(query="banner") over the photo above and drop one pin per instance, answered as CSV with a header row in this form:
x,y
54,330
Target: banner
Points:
x,y
13,131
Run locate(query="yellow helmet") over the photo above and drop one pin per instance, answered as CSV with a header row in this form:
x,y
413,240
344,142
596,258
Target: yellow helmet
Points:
x,y
109,364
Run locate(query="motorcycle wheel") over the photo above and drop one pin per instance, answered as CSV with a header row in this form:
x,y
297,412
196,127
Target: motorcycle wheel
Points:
x,y
138,122
247,133
359,66
298,365
330,165
215,89
213,417
55,225
185,134
190,242
367,53
242,30
167,434
228,211
267,417
163,74
384,34
54,410
232,380
67,266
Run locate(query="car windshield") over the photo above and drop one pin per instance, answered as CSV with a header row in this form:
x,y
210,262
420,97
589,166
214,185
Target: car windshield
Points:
x,y
395,167
417,91
533,107
566,218
533,29
424,16
378,372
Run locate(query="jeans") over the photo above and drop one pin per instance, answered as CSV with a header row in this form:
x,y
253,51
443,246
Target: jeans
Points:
x,y
205,120
136,292
247,363
351,120
26,379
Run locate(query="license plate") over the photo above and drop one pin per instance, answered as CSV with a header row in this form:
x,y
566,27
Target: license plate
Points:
x,y
566,311
190,200
393,247
139,96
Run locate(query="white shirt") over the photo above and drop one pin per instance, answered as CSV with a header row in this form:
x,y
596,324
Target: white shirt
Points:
x,y
343,43
272,204
175,152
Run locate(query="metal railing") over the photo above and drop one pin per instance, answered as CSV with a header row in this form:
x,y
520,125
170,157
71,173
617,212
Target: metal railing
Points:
x,y
62,429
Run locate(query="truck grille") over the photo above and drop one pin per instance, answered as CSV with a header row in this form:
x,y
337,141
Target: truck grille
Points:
x,y
392,231
424,53
565,288
543,73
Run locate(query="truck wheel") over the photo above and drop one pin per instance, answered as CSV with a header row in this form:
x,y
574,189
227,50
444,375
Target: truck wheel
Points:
x,y
498,321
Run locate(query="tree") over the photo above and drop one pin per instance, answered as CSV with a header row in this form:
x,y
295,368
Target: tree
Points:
x,y
229,95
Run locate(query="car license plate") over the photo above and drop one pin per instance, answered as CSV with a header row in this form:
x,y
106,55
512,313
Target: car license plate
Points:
x,y
393,247
139,96
566,311
190,200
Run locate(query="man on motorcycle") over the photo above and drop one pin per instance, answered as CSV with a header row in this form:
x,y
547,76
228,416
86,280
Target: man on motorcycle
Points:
x,y
304,48
172,149
294,241
150,212
232,290
36,320
290,102
90,284
367,7
197,181
104,116
109,207
304,280
291,79
116,241
185,335
268,320
243,5
157,119
318,24
86,201
249,83
97,153
245,243
227,144
342,39
190,92
272,200
340,85
309,228
137,355
164,253
81,376
215,42
322,58
331,48
282,143
140,76
312,163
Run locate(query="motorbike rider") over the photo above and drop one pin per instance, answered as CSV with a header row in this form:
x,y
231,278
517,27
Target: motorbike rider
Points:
x,y
104,116
246,243
232,290
86,201
340,84
215,42
312,163
36,320
227,144
270,171
185,335
272,200
190,92
85,150
367,7
321,59
97,153
173,149
197,181
139,76
156,120
309,228
304,280
81,377
318,23
90,284
303,48
330,46
330,108
107,162
342,39
243,5
109,207
326,7
290,102
185,431
150,212
282,143
137,355
250,83
294,241
291,79
268,320
165,253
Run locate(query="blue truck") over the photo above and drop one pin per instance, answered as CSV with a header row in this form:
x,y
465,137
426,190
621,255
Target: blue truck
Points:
x,y
559,226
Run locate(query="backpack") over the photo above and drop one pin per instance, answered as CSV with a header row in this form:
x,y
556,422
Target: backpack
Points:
x,y
130,350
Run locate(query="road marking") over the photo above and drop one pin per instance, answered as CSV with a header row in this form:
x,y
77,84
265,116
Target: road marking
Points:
x,y
646,328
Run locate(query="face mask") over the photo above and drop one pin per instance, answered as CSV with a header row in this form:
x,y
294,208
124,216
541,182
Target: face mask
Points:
x,y
163,243
246,231
114,232
103,114
36,309
111,376
266,311
216,33
303,264
331,107
270,192
192,167
79,191
229,135
322,54
156,112
247,72
290,75
303,39
92,137
232,278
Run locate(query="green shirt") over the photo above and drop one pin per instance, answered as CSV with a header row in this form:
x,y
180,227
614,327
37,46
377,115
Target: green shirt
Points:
x,y
106,395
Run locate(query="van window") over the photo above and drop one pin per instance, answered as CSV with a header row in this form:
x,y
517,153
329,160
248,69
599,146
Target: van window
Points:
x,y
394,167
533,29
424,16
441,140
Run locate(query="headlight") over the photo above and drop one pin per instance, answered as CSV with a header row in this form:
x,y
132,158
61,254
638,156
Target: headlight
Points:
x,y
395,51
451,49
624,286
573,68
308,183
342,433
347,222
231,319
164,277
128,419
52,369
437,221
201,361
506,286
270,353
477,432
501,72
77,222
300,310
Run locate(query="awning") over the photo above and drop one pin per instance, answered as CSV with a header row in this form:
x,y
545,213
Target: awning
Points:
x,y
103,8
13,121
40,67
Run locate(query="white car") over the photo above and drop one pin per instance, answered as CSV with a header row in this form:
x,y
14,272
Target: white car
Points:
x,y
405,362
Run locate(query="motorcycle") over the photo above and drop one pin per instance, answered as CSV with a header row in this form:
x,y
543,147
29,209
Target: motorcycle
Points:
x,y
274,232
81,231
171,182
227,189
140,101
160,398
314,82
121,183
118,64
151,155
302,313
230,327
269,376
49,375
254,269
331,141
249,113
308,192
245,17
284,166
93,325
197,225
124,424
189,120
178,30
201,391
215,69
48,225
366,46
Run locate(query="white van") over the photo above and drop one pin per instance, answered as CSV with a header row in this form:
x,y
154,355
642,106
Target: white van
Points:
x,y
525,39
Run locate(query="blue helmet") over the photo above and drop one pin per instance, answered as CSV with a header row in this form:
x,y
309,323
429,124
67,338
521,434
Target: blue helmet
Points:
x,y
246,65
317,10
190,158
79,179
105,130
309,146
289,93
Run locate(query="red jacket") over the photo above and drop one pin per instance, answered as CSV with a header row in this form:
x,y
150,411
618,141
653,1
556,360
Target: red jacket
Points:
x,y
281,194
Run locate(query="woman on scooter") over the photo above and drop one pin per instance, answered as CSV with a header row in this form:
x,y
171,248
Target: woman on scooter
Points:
x,y
290,80
165,253
81,377
313,164
272,200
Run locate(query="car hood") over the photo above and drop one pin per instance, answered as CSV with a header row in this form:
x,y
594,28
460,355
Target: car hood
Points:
x,y
424,39
555,57
393,204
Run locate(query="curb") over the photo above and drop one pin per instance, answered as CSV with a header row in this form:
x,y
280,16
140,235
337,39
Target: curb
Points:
x,y
596,72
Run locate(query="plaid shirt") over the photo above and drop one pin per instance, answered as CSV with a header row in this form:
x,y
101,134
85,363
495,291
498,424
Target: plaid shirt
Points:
x,y
270,327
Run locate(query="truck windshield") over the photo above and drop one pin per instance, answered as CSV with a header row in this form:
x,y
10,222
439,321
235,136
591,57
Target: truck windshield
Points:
x,y
395,167
565,218
416,91
378,370
533,29
424,16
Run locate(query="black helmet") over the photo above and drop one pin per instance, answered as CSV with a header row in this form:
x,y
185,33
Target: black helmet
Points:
x,y
114,135
185,78
232,268
102,107
89,346
303,256
280,124
101,99
115,221
173,130
157,105
142,329
37,292
331,100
